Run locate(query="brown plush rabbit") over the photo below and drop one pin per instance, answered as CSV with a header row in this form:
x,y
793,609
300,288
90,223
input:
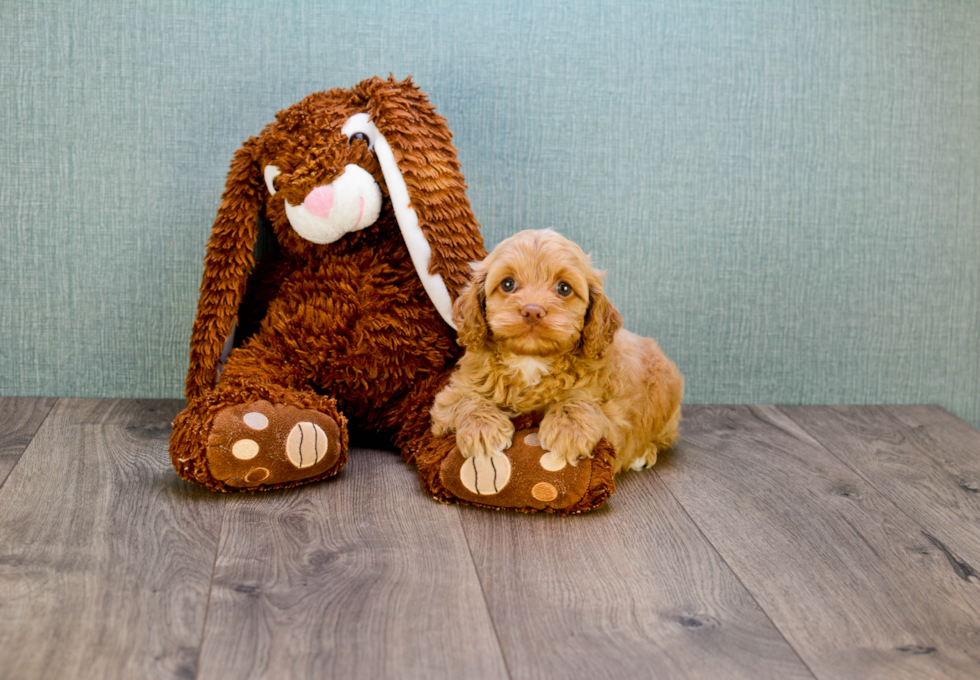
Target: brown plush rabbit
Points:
x,y
350,316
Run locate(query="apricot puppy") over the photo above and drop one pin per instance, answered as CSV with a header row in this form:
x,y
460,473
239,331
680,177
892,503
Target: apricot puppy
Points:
x,y
541,337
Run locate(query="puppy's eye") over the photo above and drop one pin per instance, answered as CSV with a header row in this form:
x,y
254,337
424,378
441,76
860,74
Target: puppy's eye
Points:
x,y
359,135
508,285
563,289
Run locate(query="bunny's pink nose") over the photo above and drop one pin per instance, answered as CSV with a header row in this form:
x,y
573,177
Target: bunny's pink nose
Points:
x,y
320,201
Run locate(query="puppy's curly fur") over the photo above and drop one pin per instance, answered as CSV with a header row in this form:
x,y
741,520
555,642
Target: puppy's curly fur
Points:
x,y
541,338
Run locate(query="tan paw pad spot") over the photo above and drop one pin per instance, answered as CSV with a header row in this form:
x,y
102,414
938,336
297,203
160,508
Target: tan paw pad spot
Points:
x,y
532,439
552,462
257,475
485,475
245,449
306,444
256,421
544,492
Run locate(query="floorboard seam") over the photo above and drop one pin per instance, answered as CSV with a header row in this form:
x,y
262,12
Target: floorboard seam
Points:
x,y
20,456
14,467
214,569
483,592
737,577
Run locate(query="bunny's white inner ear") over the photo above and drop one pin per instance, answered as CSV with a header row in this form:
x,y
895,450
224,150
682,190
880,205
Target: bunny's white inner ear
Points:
x,y
270,173
407,218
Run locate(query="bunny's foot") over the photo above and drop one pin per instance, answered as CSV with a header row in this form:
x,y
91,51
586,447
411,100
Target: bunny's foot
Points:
x,y
263,443
280,438
524,478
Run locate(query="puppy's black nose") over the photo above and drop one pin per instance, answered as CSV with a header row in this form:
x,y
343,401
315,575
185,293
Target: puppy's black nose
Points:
x,y
532,313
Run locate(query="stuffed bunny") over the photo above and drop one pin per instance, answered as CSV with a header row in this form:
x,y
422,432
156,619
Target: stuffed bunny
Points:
x,y
348,320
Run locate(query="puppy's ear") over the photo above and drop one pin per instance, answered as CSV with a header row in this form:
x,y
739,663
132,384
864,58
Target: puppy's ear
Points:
x,y
602,320
470,313
227,264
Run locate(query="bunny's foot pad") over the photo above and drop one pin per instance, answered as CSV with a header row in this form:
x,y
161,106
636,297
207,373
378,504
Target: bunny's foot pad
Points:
x,y
526,478
262,444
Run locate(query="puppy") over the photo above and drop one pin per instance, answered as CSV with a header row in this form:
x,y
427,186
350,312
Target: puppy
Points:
x,y
541,337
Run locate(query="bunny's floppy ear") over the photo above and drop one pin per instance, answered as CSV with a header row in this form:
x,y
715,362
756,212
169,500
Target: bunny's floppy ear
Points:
x,y
428,195
227,264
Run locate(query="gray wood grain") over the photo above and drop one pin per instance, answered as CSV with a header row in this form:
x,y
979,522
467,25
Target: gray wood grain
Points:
x,y
774,542
848,579
105,555
929,469
632,590
20,417
945,438
362,576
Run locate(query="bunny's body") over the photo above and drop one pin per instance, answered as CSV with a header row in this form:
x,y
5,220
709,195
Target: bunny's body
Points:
x,y
347,319
349,324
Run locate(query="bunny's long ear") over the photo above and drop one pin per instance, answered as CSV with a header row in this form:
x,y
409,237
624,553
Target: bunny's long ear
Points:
x,y
427,166
227,264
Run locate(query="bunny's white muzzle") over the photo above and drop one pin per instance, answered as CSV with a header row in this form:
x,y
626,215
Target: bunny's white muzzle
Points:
x,y
349,203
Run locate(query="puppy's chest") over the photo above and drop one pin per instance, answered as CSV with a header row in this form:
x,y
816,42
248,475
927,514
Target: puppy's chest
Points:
x,y
527,383
526,370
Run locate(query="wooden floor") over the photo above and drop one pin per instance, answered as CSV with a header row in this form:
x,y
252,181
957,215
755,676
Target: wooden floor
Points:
x,y
772,543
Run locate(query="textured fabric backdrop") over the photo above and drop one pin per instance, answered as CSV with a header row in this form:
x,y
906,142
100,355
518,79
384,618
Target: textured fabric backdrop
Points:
x,y
785,194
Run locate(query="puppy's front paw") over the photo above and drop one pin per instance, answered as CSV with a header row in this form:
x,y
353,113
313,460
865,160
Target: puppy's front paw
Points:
x,y
485,436
568,441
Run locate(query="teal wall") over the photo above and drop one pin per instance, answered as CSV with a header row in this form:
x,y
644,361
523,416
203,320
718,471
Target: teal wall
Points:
x,y
785,194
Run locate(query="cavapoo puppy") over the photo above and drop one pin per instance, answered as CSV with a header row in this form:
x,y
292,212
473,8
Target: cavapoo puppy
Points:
x,y
541,337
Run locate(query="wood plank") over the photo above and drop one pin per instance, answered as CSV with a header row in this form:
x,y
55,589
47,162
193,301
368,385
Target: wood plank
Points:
x,y
945,436
631,590
362,576
849,580
929,469
20,417
105,554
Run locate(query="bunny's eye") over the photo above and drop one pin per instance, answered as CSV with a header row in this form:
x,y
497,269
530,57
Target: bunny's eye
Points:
x,y
359,126
508,285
